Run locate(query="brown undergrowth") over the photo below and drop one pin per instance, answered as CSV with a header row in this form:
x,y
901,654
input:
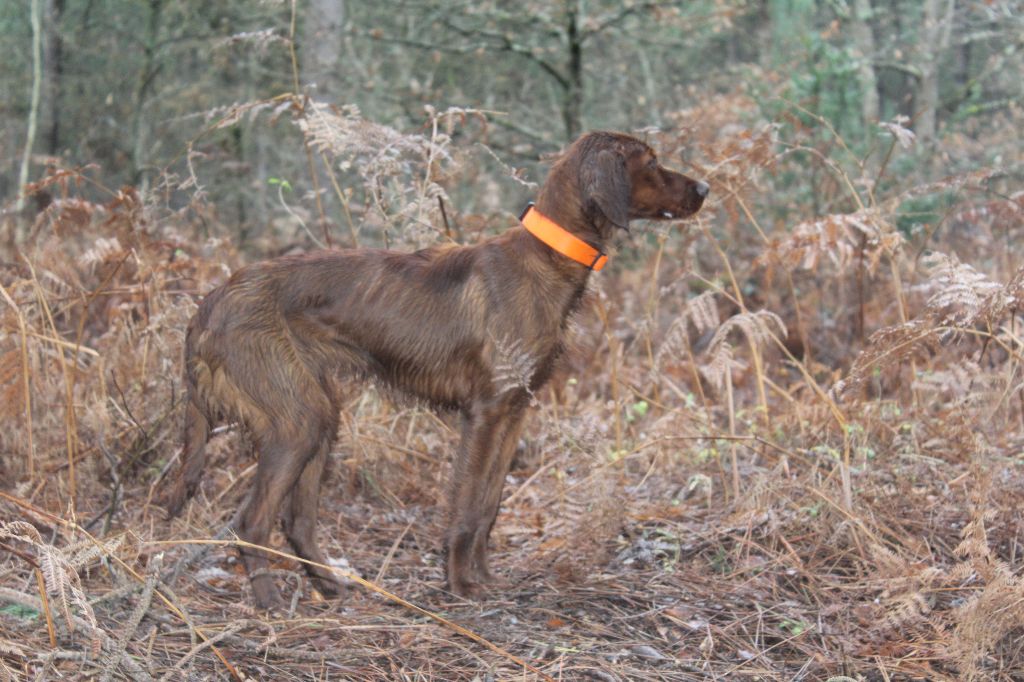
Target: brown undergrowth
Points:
x,y
785,446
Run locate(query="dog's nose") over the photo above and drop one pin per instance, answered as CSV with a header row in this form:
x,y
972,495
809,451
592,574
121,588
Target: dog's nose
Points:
x,y
702,189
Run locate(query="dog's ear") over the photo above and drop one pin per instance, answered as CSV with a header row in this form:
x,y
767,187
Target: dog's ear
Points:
x,y
606,186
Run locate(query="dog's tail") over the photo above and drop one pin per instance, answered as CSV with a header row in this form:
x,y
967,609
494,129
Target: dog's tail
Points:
x,y
196,434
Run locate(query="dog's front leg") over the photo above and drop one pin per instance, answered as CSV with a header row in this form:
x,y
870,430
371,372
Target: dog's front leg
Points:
x,y
489,434
500,462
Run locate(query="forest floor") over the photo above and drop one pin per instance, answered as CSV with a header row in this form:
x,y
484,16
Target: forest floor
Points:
x,y
610,570
810,504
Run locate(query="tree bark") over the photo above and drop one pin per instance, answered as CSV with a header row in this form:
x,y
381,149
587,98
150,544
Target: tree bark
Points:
x,y
938,23
53,66
864,41
320,49
147,75
572,104
35,16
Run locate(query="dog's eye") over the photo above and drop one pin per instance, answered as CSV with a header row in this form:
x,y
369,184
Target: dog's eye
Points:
x,y
652,164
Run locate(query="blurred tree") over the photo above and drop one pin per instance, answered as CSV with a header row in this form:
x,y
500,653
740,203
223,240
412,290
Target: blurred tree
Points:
x,y
33,107
938,29
126,84
864,43
320,48
566,46
151,64
53,64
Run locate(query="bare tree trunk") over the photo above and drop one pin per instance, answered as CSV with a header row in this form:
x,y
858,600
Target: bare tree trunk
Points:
x,y
33,111
320,50
147,75
53,67
938,24
572,105
864,40
319,60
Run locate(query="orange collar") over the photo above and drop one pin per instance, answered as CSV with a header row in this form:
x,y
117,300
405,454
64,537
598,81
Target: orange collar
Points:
x,y
560,239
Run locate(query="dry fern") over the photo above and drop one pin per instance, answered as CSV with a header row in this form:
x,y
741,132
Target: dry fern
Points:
x,y
959,292
720,363
594,520
514,367
908,591
997,610
960,384
63,584
897,128
700,314
960,299
845,240
103,250
398,171
112,658
761,328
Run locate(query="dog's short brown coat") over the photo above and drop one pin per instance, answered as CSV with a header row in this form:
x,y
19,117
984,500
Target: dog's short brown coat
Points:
x,y
271,346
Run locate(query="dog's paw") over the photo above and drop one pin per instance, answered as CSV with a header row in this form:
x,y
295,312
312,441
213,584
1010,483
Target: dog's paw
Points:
x,y
329,588
465,588
265,594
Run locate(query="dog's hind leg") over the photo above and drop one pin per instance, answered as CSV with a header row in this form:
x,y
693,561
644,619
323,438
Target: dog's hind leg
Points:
x,y
284,456
300,523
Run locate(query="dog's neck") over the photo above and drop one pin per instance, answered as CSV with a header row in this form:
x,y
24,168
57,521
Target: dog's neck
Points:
x,y
561,240
561,202
566,210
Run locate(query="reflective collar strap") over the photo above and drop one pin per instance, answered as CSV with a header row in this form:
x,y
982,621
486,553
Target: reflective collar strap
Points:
x,y
560,239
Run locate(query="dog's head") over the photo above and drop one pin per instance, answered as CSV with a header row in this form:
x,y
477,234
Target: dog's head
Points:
x,y
622,180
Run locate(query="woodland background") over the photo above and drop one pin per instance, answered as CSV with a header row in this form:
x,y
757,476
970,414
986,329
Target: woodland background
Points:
x,y
789,440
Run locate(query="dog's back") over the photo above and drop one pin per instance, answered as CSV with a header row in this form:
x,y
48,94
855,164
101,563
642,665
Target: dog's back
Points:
x,y
272,344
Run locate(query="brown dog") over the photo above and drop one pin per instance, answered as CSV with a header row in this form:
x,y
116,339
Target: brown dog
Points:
x,y
270,346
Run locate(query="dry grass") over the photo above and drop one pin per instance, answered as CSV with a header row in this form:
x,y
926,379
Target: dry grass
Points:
x,y
783,449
